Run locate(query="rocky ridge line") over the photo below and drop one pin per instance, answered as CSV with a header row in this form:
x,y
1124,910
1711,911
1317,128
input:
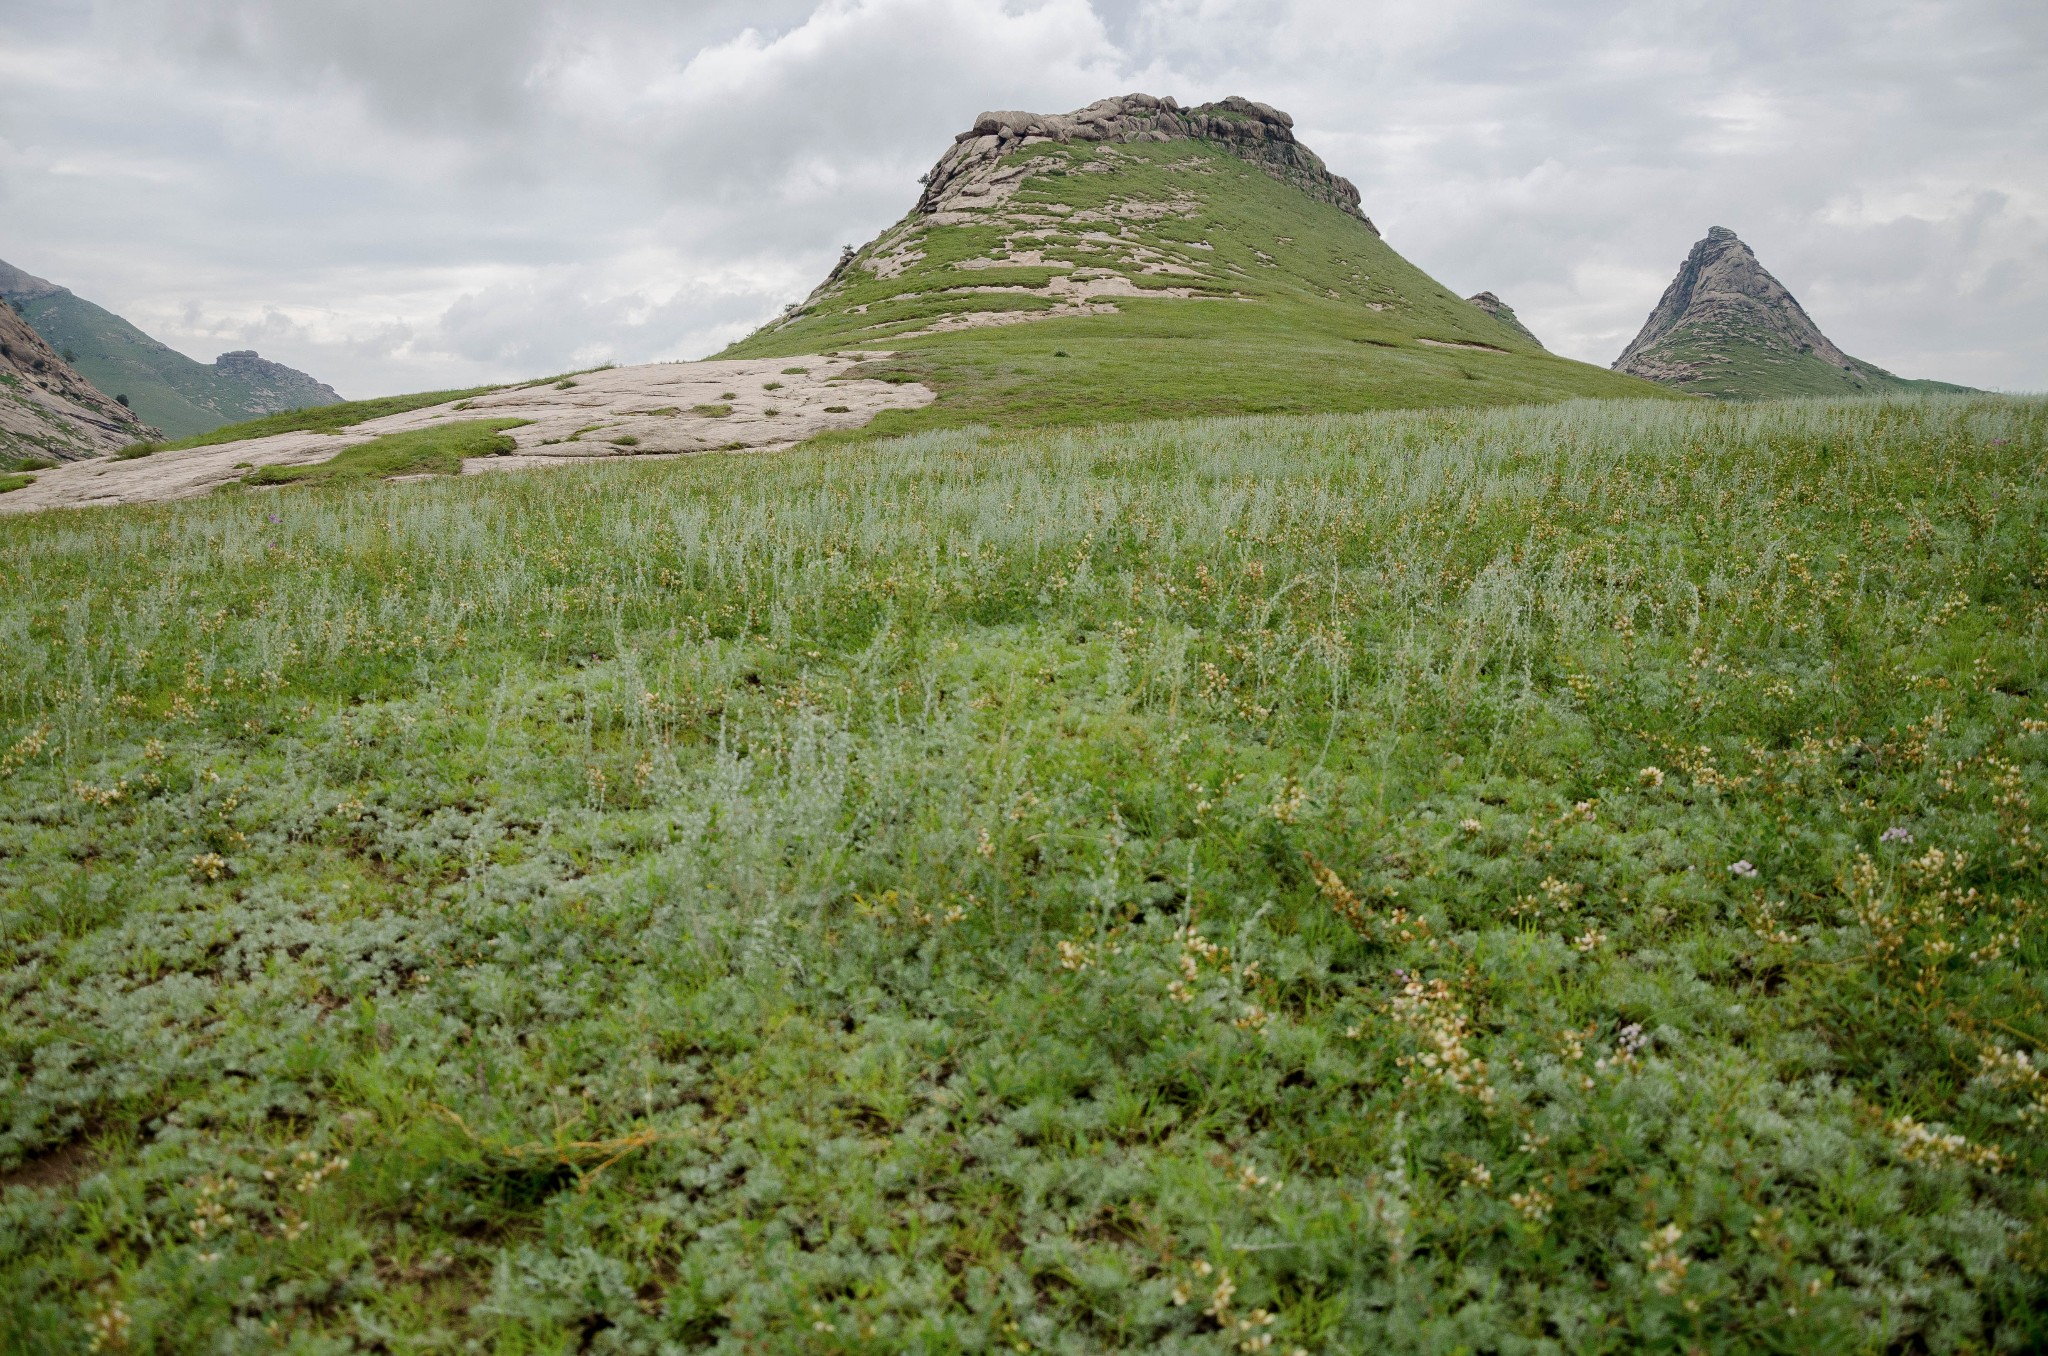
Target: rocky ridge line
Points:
x,y
1258,132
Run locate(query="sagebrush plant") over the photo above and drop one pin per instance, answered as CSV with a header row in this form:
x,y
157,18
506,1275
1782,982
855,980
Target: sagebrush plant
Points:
x,y
1537,880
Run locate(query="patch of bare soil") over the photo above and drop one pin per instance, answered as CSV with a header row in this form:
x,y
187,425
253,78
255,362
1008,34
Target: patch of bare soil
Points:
x,y
60,1169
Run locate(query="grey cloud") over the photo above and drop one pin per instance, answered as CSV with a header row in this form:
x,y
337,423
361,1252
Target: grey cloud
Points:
x,y
390,194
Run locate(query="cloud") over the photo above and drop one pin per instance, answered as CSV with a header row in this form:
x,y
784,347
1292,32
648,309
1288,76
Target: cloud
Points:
x,y
394,196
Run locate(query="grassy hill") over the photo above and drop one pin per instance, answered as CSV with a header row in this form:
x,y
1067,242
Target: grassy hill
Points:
x,y
165,388
1543,879
1290,305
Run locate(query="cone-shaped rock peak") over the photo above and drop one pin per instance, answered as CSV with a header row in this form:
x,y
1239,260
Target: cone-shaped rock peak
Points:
x,y
1726,327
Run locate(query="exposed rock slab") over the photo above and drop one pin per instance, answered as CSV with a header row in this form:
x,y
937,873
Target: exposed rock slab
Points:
x,y
48,409
658,409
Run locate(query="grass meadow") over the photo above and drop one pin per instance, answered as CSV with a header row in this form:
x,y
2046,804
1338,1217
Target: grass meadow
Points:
x,y
1533,880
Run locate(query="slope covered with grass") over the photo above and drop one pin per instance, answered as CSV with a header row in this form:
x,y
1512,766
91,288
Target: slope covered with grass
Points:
x,y
1559,879
1731,365
1054,304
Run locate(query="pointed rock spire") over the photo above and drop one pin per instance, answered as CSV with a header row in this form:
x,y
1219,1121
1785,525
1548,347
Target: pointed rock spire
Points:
x,y
1725,327
1722,288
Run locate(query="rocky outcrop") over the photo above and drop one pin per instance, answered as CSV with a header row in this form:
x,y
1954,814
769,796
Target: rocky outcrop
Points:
x,y
1258,132
18,285
269,388
1727,328
47,410
1722,294
1504,313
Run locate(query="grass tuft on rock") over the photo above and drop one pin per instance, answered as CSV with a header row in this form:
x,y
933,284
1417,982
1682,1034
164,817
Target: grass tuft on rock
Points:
x,y
323,418
437,450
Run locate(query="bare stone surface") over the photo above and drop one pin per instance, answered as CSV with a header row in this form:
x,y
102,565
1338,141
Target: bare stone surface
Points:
x,y
47,408
1260,133
658,409
1722,292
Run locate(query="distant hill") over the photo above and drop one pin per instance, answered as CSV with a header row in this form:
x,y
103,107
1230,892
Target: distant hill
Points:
x,y
1136,259
175,393
1727,328
1504,313
48,411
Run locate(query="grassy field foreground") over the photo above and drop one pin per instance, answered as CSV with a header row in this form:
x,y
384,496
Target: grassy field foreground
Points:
x,y
1536,880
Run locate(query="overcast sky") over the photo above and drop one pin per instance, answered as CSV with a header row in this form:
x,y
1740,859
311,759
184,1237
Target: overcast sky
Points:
x,y
404,194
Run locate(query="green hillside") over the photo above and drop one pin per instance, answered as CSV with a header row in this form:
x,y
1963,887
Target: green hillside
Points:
x,y
1734,363
1559,879
163,386
1294,304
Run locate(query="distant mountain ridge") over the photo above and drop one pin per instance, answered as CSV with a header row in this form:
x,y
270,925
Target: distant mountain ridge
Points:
x,y
1725,327
177,394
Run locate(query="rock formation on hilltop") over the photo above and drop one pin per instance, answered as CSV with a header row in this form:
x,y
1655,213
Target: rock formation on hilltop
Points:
x,y
1259,132
1725,327
16,285
48,411
268,388
1504,313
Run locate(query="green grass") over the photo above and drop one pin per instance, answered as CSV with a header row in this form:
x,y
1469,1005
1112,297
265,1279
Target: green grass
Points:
x,y
438,450
980,891
29,462
14,480
1301,309
1735,367
323,418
